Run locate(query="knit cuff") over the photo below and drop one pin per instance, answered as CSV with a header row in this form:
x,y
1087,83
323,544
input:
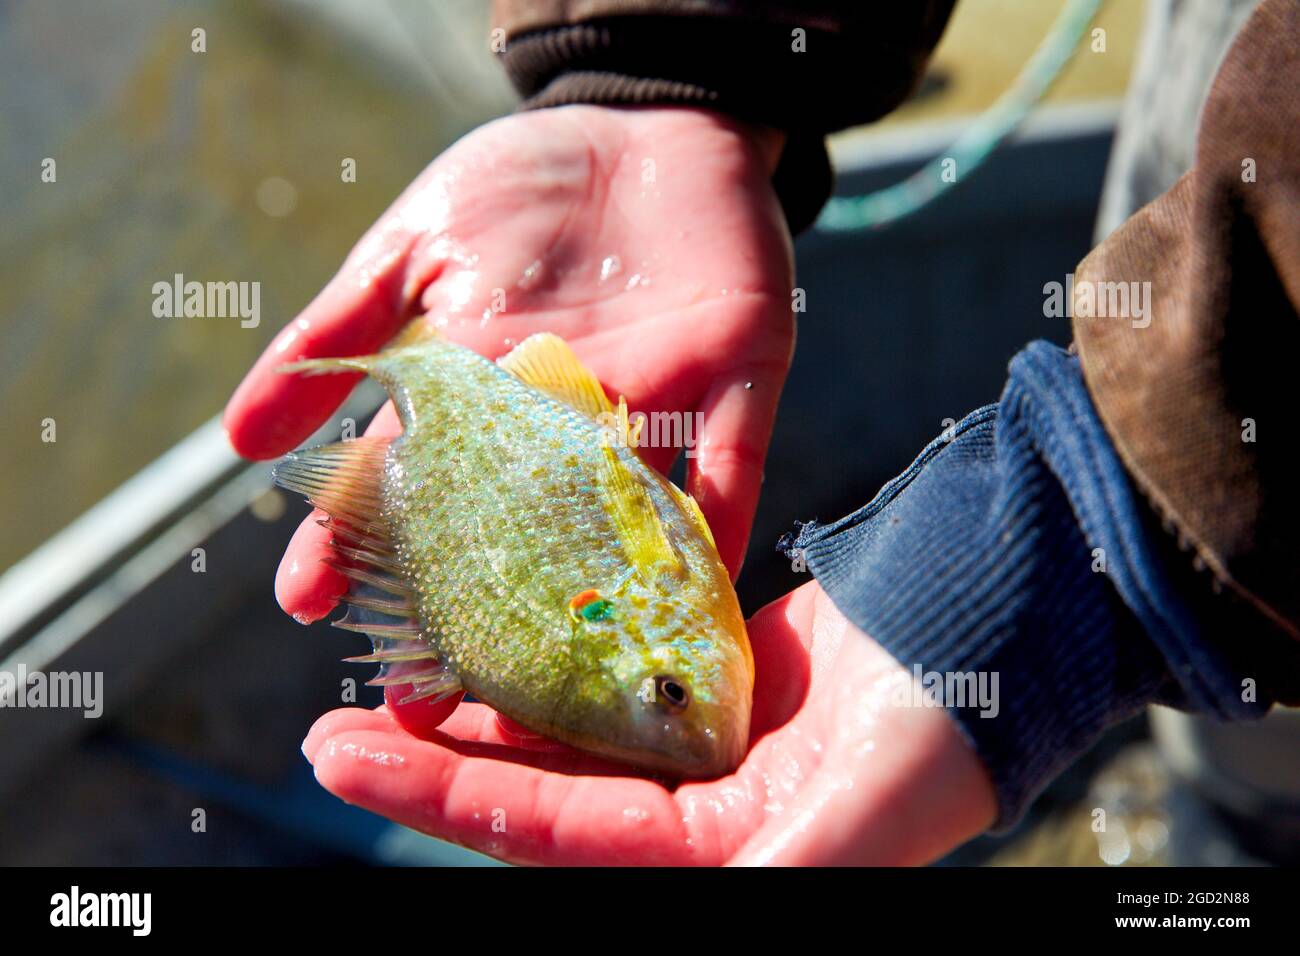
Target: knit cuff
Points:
x,y
1002,568
748,69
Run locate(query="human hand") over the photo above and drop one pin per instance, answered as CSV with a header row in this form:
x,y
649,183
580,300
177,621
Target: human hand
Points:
x,y
838,771
650,239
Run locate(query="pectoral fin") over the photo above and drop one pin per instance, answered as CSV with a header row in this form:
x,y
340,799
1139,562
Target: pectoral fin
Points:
x,y
692,509
633,512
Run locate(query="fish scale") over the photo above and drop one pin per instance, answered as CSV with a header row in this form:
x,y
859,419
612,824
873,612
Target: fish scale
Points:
x,y
547,570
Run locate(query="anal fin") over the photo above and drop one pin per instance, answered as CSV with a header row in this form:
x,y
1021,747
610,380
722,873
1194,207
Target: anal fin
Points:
x,y
402,652
692,509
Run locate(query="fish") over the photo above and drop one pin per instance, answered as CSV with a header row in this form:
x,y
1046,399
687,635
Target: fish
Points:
x,y
512,544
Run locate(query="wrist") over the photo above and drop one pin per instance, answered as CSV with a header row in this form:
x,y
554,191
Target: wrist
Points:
x,y
998,571
769,143
798,172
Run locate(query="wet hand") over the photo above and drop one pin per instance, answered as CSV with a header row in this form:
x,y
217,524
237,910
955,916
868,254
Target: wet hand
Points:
x,y
839,772
650,239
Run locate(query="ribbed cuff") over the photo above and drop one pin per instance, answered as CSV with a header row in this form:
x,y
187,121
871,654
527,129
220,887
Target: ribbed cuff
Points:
x,y
744,68
751,69
1010,557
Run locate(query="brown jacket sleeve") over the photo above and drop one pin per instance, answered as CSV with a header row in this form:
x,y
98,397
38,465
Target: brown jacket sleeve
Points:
x,y
1199,393
806,67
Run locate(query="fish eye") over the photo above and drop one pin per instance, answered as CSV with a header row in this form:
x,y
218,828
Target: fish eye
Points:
x,y
672,693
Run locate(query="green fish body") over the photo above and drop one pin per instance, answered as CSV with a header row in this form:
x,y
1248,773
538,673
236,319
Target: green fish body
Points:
x,y
508,544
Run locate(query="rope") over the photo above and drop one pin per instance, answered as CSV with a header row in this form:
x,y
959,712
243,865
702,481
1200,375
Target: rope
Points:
x,y
981,138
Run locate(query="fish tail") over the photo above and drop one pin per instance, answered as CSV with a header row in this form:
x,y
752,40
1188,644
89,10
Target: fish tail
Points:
x,y
414,334
345,480
328,366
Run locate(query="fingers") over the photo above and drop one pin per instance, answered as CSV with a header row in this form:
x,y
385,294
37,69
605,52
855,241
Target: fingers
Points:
x,y
360,309
477,730
307,588
468,724
780,635
517,733
340,721
479,723
550,803
419,718
725,475
498,806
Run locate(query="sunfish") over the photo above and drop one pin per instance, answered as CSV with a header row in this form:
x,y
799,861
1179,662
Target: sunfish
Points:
x,y
510,545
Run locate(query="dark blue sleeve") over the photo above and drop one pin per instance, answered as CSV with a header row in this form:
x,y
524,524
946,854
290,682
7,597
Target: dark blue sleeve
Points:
x,y
1014,552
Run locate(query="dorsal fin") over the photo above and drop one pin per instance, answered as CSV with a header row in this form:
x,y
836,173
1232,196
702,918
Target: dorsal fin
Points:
x,y
546,362
635,518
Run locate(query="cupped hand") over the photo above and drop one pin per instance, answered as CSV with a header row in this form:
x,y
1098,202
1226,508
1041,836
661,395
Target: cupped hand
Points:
x,y
841,770
650,239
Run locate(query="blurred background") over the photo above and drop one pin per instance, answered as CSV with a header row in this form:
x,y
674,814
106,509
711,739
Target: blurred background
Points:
x,y
226,164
